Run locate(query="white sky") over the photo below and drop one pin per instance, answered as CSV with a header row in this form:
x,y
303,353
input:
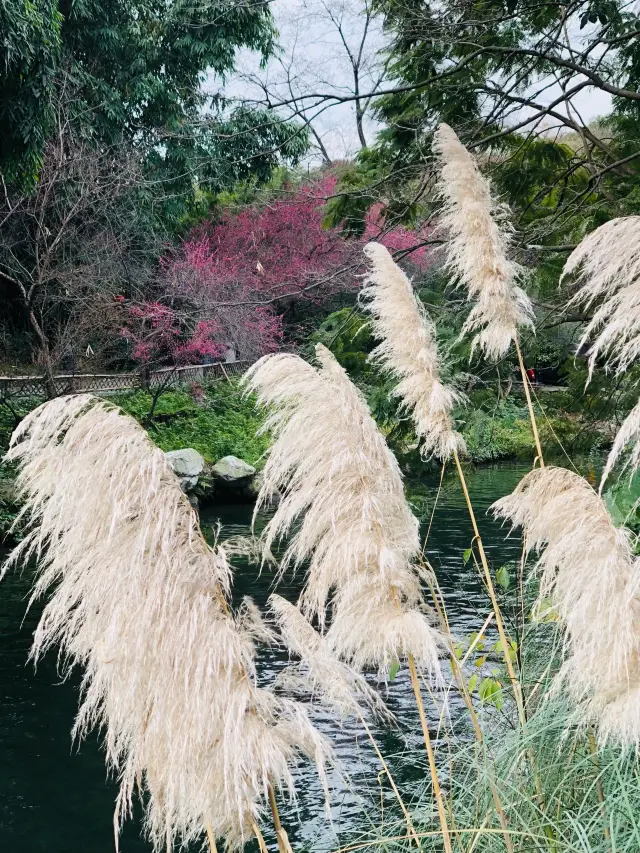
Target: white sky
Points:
x,y
313,58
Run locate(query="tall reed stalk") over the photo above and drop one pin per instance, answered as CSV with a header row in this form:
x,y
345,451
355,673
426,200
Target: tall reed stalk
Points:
x,y
479,235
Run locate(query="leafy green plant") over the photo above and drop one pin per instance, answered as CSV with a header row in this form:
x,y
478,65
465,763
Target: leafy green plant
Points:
x,y
222,422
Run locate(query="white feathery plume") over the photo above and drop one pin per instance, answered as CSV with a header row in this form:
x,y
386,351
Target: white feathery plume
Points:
x,y
319,671
607,263
588,568
408,350
628,434
343,498
479,238
335,683
139,601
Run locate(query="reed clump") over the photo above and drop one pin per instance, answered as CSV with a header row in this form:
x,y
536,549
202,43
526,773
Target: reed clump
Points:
x,y
141,602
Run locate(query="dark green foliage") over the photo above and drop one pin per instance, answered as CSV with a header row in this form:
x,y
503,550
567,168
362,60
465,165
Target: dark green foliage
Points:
x,y
134,73
622,498
219,422
347,334
29,54
9,506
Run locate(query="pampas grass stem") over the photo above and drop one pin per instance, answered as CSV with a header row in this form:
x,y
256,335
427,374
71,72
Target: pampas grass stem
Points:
x,y
532,414
438,602
260,837
211,838
283,839
593,749
437,791
410,827
492,595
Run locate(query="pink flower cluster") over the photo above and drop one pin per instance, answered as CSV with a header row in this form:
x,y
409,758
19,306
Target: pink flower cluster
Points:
x,y
242,270
158,332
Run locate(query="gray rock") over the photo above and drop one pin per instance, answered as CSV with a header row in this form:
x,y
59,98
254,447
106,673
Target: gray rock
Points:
x,y
187,465
205,489
186,462
252,490
187,484
233,471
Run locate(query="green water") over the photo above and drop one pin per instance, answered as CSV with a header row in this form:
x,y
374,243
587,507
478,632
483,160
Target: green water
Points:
x,y
55,797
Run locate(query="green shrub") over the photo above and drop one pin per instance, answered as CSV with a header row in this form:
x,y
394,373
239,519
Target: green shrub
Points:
x,y
221,421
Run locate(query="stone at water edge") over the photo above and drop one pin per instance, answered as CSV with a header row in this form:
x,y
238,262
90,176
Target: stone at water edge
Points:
x,y
252,491
187,465
233,471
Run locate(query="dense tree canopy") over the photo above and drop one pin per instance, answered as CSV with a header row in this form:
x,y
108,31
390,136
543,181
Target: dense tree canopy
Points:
x,y
29,54
134,72
508,77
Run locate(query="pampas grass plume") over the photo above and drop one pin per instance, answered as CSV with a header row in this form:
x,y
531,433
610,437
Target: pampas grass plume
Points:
x,y
477,249
606,266
408,351
139,600
588,569
343,502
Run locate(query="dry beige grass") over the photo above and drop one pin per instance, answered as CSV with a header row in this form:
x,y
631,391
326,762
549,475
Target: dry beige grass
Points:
x,y
606,266
477,250
318,671
408,350
343,504
139,600
589,570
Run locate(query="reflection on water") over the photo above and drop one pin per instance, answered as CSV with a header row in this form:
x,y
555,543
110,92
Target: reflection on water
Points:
x,y
54,796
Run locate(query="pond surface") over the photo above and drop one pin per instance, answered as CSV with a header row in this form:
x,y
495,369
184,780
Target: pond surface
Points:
x,y
55,797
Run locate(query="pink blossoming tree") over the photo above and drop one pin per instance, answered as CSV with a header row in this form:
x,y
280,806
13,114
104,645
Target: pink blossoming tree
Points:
x,y
228,284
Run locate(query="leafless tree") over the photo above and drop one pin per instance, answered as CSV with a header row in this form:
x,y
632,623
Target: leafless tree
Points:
x,y
335,45
73,243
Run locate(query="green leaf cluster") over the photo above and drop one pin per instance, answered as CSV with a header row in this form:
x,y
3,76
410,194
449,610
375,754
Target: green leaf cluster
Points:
x,y
217,424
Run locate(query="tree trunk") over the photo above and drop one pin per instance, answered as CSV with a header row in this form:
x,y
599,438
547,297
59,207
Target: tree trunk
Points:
x,y
49,384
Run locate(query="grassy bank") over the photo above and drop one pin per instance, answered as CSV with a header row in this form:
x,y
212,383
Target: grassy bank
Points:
x,y
217,420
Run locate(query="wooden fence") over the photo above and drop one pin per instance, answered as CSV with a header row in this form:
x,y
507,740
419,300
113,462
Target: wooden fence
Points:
x,y
13,387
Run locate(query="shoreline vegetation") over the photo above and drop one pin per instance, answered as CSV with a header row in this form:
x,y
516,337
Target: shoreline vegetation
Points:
x,y
218,420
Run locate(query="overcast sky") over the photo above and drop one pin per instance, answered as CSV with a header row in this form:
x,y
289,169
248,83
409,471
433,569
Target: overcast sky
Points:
x,y
314,58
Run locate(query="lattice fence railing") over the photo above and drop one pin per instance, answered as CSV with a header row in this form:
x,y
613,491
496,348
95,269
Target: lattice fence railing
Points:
x,y
34,386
